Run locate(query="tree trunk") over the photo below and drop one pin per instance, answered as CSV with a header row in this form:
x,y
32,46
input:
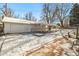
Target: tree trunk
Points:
x,y
62,24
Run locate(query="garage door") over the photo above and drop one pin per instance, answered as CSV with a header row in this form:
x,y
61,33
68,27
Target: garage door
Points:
x,y
17,28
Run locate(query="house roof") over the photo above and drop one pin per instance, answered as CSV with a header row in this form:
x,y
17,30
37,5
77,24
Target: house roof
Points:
x,y
14,20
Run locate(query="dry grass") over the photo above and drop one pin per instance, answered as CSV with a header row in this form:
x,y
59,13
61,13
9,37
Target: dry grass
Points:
x,y
50,49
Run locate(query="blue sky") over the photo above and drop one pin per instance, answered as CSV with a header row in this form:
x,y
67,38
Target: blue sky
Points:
x,y
22,8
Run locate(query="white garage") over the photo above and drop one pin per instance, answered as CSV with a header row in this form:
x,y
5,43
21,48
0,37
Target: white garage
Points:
x,y
13,25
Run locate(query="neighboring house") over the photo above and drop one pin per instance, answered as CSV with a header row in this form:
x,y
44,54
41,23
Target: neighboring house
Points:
x,y
13,25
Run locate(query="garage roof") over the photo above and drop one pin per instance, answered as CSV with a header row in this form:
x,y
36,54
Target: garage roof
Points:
x,y
14,20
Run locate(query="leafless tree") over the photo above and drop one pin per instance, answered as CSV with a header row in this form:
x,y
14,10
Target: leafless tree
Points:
x,y
62,12
6,11
48,13
16,16
29,16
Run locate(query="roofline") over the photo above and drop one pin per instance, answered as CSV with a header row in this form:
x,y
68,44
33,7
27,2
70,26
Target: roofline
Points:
x,y
23,23
17,18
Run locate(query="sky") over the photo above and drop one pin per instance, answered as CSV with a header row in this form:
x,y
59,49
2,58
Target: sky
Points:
x,y
22,8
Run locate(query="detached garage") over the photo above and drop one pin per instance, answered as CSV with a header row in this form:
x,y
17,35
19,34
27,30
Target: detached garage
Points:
x,y
13,25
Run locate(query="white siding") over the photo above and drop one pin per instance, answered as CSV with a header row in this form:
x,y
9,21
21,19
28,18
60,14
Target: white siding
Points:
x,y
6,27
16,28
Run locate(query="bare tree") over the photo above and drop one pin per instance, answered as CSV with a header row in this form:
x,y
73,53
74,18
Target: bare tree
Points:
x,y
16,16
26,16
62,12
6,11
48,13
29,16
